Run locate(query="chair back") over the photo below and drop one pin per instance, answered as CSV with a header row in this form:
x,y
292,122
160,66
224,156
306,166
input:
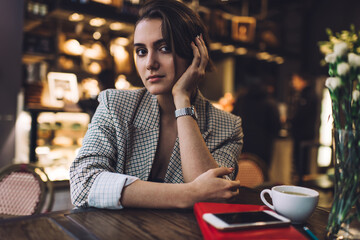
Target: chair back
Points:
x,y
252,170
25,189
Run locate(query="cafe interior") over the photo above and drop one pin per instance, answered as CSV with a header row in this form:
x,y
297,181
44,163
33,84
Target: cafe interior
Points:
x,y
56,57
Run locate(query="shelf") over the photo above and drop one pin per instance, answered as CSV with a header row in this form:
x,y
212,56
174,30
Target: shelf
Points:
x,y
125,14
32,23
36,108
29,58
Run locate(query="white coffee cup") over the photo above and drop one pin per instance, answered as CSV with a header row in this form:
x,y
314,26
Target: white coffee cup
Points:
x,y
293,202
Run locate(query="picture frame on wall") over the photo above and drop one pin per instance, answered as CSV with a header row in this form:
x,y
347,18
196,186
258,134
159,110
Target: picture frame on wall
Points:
x,y
243,29
63,87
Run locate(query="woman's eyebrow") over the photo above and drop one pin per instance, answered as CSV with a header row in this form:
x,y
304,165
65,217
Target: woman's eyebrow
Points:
x,y
139,44
159,42
155,44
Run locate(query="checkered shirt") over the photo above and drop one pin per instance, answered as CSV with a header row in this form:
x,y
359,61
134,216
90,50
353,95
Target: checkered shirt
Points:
x,y
120,145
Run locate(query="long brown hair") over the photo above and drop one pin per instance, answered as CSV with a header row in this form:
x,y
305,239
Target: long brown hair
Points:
x,y
180,25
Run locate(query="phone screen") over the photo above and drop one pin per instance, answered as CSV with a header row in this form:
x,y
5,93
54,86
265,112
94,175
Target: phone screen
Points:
x,y
246,217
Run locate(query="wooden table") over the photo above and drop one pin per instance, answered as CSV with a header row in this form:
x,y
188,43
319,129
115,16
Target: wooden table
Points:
x,y
128,223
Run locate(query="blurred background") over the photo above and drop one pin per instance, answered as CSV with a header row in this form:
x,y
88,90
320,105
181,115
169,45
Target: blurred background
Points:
x,y
56,56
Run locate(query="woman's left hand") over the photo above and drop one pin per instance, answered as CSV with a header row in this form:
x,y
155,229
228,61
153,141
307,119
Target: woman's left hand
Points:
x,y
188,82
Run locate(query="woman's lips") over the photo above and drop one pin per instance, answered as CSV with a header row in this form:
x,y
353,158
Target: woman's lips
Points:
x,y
154,78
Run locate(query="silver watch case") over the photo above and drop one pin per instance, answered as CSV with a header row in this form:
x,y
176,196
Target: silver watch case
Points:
x,y
188,111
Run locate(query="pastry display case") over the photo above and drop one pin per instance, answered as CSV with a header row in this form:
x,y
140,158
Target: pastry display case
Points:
x,y
56,141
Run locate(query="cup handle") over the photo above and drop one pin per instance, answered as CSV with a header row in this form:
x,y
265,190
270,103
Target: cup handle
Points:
x,y
262,196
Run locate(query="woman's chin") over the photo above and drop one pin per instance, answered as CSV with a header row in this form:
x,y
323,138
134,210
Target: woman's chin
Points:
x,y
158,90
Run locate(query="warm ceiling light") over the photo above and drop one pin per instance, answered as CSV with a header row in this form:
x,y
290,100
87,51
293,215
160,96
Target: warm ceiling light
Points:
x,y
263,56
241,51
119,52
108,2
122,83
97,22
75,17
90,87
97,35
96,51
279,60
121,41
215,46
73,47
228,49
117,26
94,68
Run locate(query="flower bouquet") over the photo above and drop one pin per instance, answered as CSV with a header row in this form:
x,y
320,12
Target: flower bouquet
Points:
x,y
342,56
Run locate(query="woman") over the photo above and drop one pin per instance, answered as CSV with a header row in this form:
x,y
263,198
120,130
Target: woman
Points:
x,y
137,152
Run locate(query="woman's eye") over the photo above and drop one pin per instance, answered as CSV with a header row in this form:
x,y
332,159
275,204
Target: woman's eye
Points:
x,y
165,49
141,52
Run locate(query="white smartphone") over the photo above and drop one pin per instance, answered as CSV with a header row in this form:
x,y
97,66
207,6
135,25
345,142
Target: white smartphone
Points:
x,y
242,220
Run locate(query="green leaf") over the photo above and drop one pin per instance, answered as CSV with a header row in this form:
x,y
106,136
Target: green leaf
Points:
x,y
328,32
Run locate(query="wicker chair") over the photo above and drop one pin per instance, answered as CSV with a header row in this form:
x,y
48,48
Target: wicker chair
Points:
x,y
25,189
252,170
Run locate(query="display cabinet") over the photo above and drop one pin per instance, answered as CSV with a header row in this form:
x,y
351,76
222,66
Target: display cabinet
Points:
x,y
80,38
55,138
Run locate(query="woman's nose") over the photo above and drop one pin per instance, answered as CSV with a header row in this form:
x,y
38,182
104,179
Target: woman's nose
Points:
x,y
152,62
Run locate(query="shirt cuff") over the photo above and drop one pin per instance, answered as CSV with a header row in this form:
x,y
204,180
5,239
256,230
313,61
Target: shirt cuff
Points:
x,y
107,189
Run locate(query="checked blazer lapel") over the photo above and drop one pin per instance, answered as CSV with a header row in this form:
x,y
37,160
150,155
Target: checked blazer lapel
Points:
x,y
202,108
143,137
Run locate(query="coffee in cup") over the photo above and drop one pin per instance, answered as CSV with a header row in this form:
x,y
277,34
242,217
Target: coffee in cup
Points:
x,y
294,202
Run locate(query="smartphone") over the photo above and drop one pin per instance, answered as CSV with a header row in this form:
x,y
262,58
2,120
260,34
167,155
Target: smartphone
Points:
x,y
245,220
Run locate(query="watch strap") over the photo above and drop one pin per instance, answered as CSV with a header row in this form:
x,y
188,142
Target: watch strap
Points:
x,y
188,111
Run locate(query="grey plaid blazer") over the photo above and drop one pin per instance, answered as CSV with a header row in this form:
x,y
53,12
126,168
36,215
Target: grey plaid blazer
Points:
x,y
124,132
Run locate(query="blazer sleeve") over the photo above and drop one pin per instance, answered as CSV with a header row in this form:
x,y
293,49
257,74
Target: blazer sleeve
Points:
x,y
227,151
98,153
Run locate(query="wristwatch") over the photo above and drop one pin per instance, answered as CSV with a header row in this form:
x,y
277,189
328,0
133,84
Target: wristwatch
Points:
x,y
188,111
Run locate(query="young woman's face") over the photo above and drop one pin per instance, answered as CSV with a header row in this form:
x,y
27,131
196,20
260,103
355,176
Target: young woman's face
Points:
x,y
154,60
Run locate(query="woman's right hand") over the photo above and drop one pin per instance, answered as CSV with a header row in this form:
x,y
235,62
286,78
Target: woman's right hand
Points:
x,y
211,186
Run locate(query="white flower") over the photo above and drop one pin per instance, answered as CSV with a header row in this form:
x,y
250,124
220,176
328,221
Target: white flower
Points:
x,y
343,68
340,49
356,95
332,83
354,60
330,58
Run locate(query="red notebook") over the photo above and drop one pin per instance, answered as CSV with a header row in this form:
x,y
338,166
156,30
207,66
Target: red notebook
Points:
x,y
209,232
